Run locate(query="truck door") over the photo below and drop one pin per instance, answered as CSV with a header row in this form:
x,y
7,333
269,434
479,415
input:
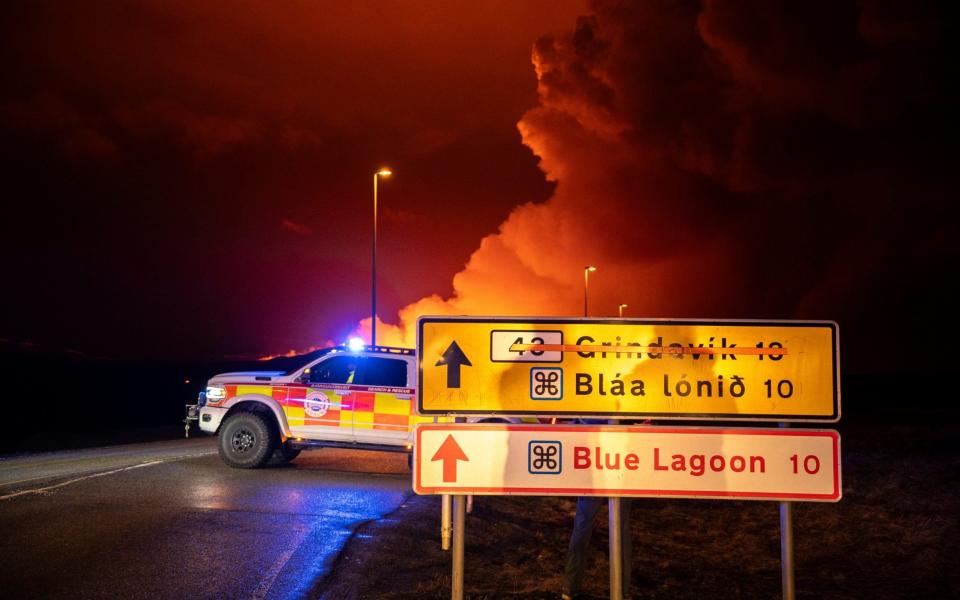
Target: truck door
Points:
x,y
382,410
329,396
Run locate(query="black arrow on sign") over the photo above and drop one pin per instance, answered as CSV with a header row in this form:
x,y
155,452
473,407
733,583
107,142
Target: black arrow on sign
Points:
x,y
454,358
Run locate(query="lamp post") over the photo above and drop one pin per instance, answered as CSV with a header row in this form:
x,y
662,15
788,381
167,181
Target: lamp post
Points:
x,y
384,172
620,308
586,285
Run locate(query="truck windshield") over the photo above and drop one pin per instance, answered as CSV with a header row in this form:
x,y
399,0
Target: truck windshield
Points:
x,y
290,364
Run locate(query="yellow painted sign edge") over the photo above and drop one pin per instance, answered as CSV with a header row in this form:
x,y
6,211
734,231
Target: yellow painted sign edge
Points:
x,y
499,321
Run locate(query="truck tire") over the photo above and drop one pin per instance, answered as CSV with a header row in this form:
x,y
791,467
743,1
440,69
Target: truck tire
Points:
x,y
247,441
283,454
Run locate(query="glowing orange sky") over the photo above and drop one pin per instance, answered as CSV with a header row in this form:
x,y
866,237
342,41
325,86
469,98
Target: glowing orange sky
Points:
x,y
208,164
713,161
193,179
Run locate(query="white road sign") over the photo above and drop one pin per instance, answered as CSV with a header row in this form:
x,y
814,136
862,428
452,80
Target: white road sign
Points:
x,y
630,461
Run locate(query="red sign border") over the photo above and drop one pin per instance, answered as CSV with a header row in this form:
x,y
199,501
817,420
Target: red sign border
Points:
x,y
835,496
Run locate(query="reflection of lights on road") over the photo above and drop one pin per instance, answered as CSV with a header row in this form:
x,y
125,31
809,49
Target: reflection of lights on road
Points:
x,y
298,520
209,495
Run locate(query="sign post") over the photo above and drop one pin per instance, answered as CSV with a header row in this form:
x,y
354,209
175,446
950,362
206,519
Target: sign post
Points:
x,y
459,536
786,547
446,512
616,548
786,551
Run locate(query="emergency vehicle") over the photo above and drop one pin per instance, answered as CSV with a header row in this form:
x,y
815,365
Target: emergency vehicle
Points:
x,y
356,398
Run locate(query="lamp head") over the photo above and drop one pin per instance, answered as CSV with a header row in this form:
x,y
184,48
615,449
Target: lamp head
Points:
x,y
590,268
384,172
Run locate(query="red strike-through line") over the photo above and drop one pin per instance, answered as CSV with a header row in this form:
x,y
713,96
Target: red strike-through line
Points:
x,y
640,349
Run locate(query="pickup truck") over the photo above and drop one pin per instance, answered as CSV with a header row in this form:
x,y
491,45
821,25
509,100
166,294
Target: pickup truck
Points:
x,y
331,397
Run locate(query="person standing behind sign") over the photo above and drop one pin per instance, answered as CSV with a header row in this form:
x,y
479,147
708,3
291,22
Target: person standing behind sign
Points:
x,y
583,523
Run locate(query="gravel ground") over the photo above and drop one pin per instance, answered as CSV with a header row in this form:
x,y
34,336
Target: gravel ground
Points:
x,y
893,535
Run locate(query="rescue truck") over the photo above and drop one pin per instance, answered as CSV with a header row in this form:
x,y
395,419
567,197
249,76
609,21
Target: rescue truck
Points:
x,y
349,397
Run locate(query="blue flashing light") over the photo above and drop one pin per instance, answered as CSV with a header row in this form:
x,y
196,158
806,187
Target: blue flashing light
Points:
x,y
355,344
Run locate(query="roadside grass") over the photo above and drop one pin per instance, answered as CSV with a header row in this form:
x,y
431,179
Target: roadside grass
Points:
x,y
893,535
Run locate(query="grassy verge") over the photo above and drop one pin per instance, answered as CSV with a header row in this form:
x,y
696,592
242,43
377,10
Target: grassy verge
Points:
x,y
893,535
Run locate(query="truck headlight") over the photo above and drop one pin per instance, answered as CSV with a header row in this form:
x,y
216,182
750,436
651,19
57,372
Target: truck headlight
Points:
x,y
216,393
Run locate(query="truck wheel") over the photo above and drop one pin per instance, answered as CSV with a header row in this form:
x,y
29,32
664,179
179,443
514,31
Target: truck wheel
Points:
x,y
247,441
284,453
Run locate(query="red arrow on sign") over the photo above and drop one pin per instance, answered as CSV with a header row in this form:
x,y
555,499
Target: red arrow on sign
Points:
x,y
449,452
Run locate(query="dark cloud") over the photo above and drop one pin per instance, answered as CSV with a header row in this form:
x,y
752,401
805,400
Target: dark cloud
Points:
x,y
714,159
736,159
293,227
151,150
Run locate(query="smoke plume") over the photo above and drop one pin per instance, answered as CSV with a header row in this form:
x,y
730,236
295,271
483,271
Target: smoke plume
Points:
x,y
736,159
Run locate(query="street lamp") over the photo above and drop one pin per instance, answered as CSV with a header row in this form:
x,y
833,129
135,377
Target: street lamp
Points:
x,y
620,308
384,172
586,284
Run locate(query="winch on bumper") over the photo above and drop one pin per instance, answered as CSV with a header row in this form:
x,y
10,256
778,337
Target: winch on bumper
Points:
x,y
207,418
193,414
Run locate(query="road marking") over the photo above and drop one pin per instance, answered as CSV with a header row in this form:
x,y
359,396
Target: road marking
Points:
x,y
267,582
94,475
54,474
48,476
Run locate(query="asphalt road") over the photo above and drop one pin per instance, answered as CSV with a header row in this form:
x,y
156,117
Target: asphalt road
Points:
x,y
170,520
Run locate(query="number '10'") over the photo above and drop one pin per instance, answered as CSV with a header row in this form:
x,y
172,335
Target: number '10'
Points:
x,y
784,388
811,464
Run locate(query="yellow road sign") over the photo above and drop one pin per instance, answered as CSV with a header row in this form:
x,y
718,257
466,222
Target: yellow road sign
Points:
x,y
663,369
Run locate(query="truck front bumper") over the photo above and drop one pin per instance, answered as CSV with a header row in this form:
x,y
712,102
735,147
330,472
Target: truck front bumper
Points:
x,y
210,418
206,417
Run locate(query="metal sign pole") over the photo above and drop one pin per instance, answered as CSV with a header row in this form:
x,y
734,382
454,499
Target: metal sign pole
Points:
x,y
786,550
459,524
616,543
445,510
616,547
786,547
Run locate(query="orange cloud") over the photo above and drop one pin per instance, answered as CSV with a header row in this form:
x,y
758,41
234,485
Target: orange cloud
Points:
x,y
713,167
